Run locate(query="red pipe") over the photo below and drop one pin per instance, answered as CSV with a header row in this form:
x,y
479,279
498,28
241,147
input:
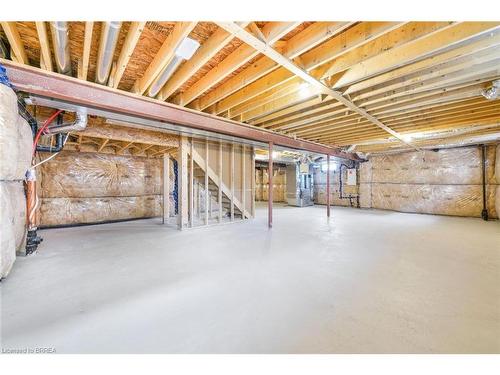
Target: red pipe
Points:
x,y
270,190
45,125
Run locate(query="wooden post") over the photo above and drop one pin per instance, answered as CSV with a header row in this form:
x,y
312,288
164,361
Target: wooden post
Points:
x,y
166,188
328,185
206,182
183,182
191,185
270,190
232,181
243,180
219,199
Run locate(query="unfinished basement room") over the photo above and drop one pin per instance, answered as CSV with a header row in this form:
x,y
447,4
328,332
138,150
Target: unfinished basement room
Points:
x,y
263,187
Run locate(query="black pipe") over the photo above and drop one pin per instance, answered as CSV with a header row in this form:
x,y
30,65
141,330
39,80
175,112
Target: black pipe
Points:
x,y
484,212
341,191
27,116
59,140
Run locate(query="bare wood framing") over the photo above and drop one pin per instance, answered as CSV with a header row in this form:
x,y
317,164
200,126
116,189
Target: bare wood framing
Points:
x,y
45,57
183,182
166,188
131,40
87,42
288,64
15,41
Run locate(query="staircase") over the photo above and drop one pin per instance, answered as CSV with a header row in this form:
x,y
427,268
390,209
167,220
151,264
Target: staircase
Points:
x,y
199,173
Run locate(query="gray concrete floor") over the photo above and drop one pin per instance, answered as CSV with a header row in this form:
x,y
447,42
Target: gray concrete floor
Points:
x,y
362,282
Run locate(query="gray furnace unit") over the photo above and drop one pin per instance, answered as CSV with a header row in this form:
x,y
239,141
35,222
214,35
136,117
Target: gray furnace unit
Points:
x,y
299,184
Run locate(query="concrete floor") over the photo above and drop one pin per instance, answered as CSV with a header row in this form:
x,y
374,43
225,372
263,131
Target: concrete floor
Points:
x,y
363,282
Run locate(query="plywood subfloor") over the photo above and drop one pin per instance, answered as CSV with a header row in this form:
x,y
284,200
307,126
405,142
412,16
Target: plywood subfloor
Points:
x,y
364,282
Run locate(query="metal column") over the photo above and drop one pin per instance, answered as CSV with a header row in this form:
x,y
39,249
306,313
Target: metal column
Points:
x,y
328,185
270,190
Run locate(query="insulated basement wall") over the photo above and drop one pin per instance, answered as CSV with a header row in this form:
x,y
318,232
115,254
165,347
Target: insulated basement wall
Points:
x,y
88,187
262,184
446,182
319,193
16,143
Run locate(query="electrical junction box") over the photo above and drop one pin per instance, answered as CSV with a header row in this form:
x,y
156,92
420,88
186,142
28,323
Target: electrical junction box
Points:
x,y
351,176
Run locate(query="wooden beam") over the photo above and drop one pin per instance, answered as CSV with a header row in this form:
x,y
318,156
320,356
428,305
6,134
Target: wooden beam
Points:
x,y
103,144
206,51
239,57
45,56
10,30
415,51
166,188
183,182
133,35
298,44
288,64
87,43
164,56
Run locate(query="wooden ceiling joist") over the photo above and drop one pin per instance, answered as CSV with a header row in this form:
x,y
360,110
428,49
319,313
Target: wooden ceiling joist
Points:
x,y
16,44
164,56
133,35
412,52
45,58
235,60
83,62
208,50
288,64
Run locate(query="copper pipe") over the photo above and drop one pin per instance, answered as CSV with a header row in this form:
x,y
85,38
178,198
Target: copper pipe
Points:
x,y
31,200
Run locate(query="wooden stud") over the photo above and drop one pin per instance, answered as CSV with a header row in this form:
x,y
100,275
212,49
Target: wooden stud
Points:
x,y
183,182
166,188
10,30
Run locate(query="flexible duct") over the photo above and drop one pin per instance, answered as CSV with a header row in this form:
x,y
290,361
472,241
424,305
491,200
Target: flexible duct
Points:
x,y
493,92
79,124
109,38
59,31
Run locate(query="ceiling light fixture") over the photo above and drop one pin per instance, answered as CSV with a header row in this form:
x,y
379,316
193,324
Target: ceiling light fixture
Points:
x,y
184,51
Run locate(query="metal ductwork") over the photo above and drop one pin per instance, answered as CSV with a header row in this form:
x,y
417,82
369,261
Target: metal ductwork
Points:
x,y
493,92
109,38
59,31
79,124
158,84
